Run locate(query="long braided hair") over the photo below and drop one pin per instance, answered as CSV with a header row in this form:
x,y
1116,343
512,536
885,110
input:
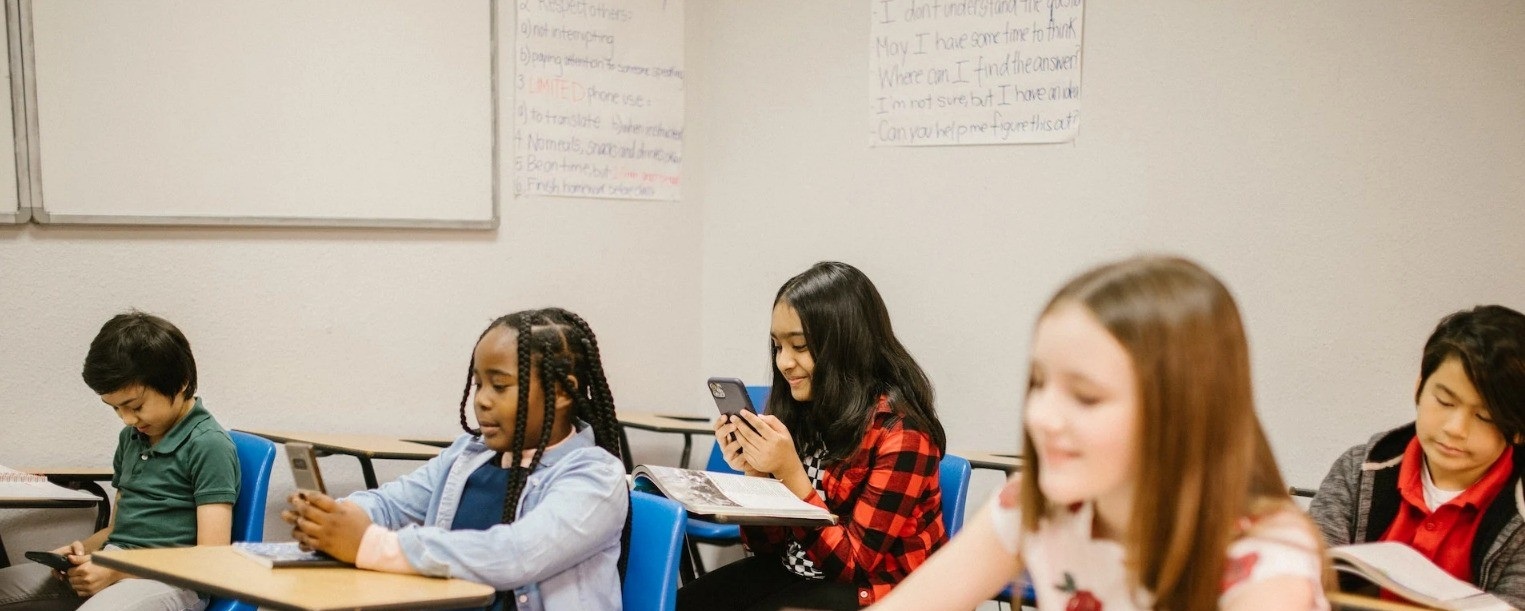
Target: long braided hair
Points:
x,y
562,344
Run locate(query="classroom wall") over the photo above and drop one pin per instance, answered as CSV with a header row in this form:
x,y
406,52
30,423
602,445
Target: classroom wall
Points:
x,y
1352,170
361,331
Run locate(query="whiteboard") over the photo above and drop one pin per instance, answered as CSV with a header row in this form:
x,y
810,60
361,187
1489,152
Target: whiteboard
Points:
x,y
370,113
11,209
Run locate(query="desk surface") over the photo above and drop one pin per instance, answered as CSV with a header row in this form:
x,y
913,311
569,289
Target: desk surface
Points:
x,y
647,421
42,495
991,460
224,572
71,474
368,446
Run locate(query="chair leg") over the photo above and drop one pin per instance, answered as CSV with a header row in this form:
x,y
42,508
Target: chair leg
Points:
x,y
693,550
686,563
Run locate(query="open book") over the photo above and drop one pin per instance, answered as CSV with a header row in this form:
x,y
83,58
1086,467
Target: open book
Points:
x,y
26,486
1400,569
283,555
729,498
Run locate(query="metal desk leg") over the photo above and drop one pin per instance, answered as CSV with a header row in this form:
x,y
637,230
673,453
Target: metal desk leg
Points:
x,y
625,452
103,508
368,471
688,445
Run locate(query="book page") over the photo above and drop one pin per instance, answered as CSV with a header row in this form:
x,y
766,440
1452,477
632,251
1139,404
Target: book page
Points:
x,y
8,474
1401,564
22,486
728,493
761,493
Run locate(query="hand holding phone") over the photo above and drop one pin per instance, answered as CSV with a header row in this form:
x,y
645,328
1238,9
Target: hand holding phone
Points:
x,y
59,562
731,398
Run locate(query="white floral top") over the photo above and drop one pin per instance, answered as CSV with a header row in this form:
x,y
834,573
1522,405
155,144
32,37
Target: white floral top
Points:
x,y
1071,570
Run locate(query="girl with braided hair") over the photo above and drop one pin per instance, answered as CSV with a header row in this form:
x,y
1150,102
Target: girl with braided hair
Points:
x,y
532,502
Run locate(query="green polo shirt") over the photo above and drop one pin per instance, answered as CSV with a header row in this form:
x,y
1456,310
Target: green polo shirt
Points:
x,y
161,485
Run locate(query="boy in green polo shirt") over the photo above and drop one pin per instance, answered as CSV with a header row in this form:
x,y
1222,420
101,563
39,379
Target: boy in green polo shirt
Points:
x,y
175,472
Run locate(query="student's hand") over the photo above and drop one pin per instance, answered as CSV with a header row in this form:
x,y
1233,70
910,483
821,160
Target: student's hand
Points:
x,y
329,526
1011,493
770,449
88,578
730,446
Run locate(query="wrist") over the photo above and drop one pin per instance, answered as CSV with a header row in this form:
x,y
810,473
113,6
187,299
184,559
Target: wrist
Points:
x,y
796,480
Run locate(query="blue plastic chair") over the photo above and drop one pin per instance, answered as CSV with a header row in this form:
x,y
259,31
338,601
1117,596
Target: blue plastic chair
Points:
x,y
256,458
953,475
703,531
656,544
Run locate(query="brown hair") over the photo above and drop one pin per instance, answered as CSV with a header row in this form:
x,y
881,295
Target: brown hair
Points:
x,y
1203,461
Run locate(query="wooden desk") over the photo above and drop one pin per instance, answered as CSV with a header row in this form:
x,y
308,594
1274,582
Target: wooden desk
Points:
x,y
363,447
438,442
82,478
220,571
1008,463
688,426
46,495
1357,602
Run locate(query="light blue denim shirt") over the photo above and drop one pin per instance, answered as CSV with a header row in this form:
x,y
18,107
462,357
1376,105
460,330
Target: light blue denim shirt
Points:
x,y
560,554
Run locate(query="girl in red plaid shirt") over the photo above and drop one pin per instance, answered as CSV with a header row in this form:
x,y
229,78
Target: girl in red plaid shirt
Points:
x,y
850,427
1147,481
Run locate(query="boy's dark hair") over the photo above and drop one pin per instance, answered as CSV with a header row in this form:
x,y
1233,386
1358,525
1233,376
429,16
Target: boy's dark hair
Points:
x,y
561,344
138,348
1490,343
857,359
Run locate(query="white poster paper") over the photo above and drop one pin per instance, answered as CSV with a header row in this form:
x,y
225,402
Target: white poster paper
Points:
x,y
598,102
974,71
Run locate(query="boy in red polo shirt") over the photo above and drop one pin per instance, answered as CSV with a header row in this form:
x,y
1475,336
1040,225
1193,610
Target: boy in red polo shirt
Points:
x,y
1447,484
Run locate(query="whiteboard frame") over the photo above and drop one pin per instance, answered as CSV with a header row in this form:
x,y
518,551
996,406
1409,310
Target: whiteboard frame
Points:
x,y
26,89
23,213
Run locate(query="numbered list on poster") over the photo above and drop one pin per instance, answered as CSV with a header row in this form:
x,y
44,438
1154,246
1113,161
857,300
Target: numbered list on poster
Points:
x,y
974,71
598,104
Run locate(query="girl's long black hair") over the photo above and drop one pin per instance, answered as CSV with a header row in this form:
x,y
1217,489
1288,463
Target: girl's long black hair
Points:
x,y
857,359
561,344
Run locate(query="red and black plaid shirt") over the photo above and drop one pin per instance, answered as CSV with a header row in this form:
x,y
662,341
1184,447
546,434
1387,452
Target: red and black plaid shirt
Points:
x,y
888,504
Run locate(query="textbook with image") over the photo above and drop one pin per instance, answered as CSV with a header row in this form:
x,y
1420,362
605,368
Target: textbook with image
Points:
x,y
284,555
729,498
1400,569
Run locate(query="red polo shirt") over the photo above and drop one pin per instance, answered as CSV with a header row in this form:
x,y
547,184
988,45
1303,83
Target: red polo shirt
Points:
x,y
1444,536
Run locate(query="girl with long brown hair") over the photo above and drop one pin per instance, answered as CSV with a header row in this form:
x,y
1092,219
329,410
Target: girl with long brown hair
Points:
x,y
1147,480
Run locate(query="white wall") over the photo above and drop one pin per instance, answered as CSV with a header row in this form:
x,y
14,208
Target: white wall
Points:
x,y
363,331
1353,170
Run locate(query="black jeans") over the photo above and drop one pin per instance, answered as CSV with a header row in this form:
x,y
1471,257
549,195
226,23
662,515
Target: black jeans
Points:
x,y
761,583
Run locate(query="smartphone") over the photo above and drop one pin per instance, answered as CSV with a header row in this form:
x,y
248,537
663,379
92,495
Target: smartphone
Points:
x,y
59,562
304,466
730,396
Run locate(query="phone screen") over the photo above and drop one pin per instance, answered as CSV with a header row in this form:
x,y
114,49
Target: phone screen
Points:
x,y
57,561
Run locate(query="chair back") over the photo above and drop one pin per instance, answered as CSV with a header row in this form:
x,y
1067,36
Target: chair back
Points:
x,y
656,545
953,476
256,458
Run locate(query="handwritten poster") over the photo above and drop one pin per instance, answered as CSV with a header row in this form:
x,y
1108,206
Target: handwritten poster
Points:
x,y
598,104
974,71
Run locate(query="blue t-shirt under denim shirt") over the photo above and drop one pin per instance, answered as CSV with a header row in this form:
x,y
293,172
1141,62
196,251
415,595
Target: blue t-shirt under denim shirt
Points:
x,y
482,508
561,552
